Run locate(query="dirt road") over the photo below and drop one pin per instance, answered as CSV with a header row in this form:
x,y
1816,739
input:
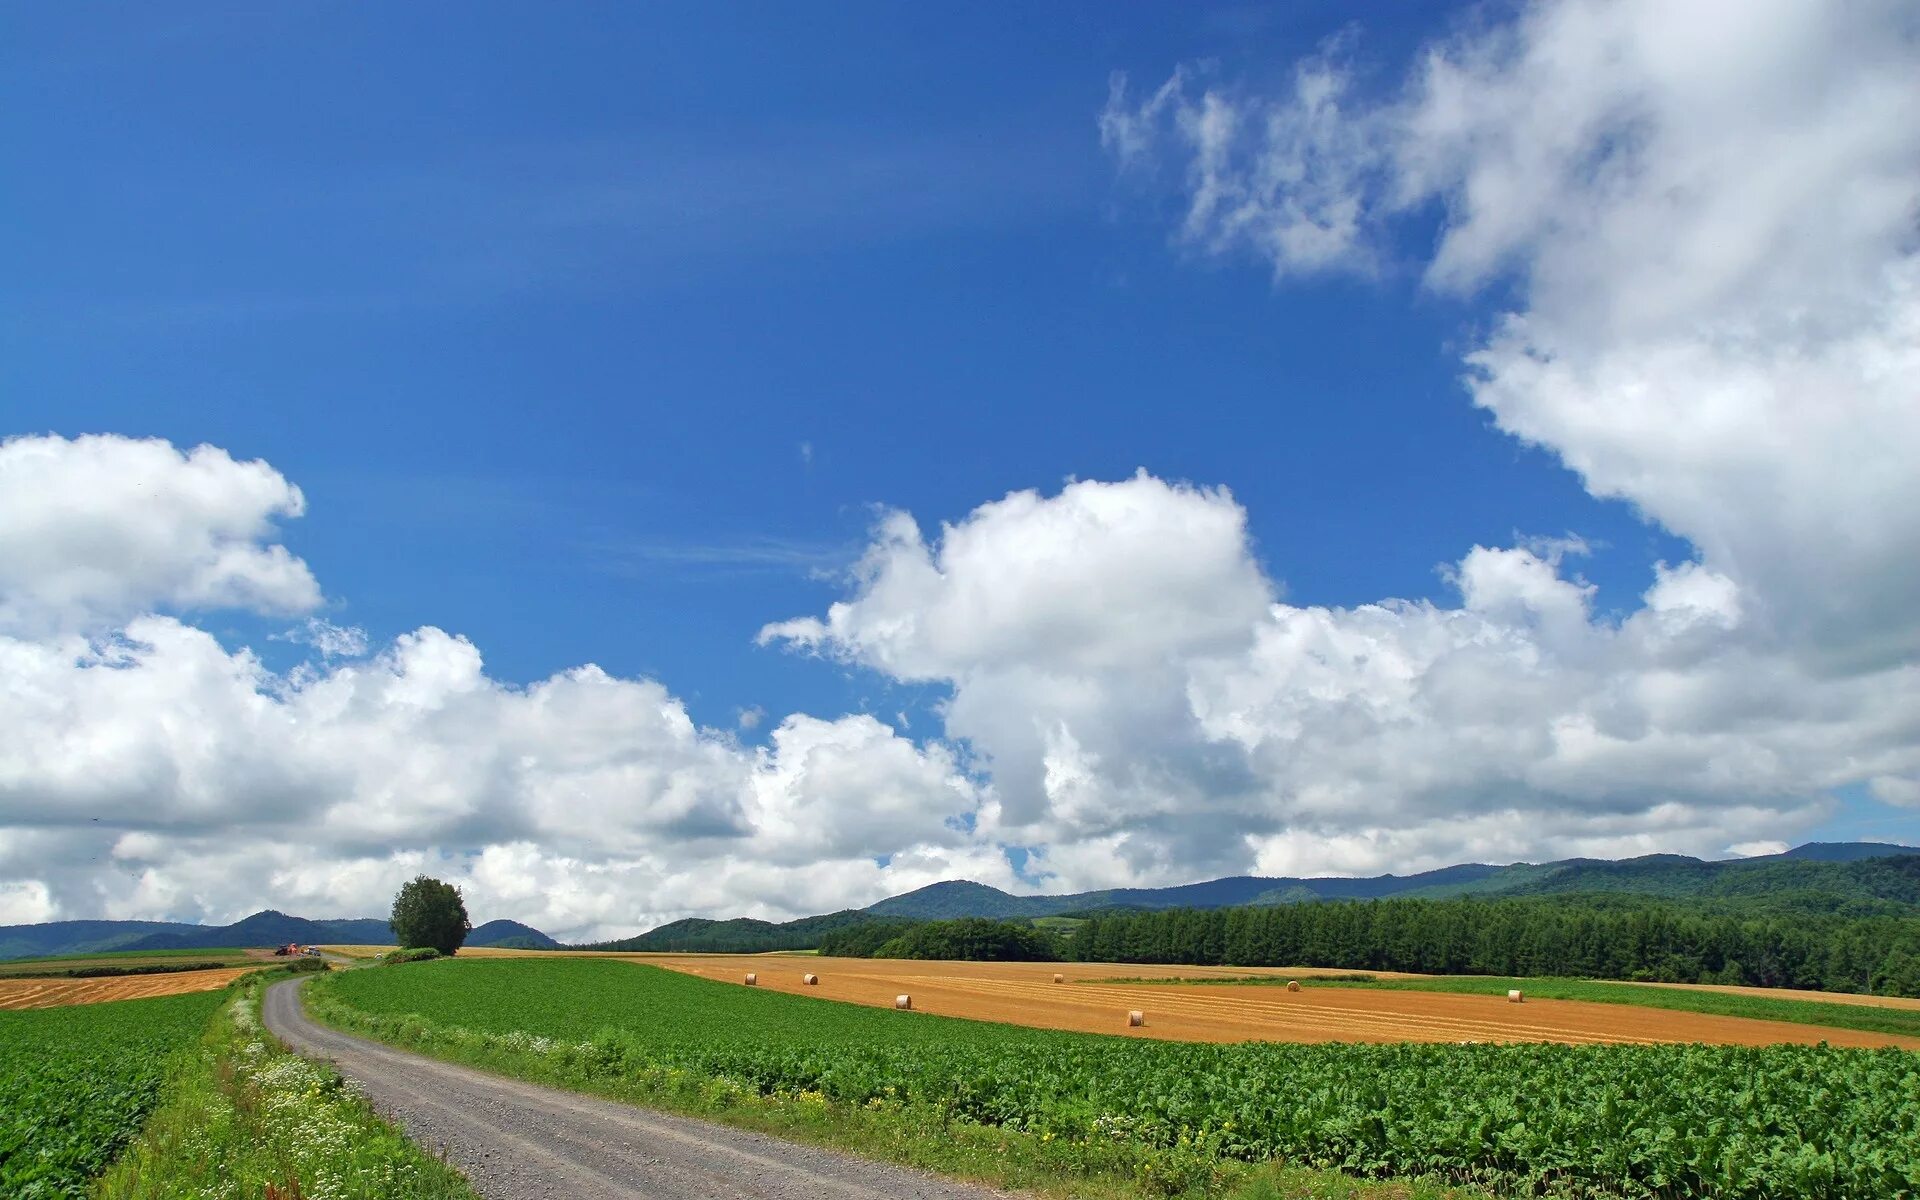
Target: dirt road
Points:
x,y
518,1141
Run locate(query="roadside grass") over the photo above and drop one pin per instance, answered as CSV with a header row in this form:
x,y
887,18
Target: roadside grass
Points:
x,y
243,1118
913,1135
1865,1017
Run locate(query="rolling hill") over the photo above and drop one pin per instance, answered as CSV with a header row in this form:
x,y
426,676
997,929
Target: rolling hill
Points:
x,y
741,935
268,928
1852,878
1841,870
510,935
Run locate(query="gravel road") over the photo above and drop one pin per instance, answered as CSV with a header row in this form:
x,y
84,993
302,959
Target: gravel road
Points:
x,y
519,1141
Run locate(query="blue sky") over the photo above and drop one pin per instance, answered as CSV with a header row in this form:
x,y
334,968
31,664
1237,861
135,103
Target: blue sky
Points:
x,y
608,335
544,314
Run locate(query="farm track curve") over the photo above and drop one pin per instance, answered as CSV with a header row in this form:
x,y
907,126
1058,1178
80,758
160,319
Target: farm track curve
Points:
x,y
520,1141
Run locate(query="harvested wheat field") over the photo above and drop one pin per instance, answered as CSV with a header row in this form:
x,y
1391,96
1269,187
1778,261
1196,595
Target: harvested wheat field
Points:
x,y
1025,994
52,993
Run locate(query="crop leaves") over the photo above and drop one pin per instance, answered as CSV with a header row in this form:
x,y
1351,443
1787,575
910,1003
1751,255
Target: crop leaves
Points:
x,y
1583,1120
76,1082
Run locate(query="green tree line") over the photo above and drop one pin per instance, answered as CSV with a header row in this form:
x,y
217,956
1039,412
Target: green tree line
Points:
x,y
968,939
1589,937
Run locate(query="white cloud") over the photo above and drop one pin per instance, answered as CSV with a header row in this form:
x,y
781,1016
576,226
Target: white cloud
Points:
x,y
332,641
1895,789
209,785
1153,714
1707,216
99,529
1710,212
150,771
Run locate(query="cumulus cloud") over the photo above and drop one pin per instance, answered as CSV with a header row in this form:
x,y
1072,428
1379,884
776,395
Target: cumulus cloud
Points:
x,y
99,529
1710,214
1706,218
1156,714
151,771
160,773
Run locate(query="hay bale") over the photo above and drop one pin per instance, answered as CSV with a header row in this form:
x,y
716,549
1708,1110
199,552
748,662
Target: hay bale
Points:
x,y
809,979
752,979
1514,996
1293,985
903,1001
1136,1019
1059,978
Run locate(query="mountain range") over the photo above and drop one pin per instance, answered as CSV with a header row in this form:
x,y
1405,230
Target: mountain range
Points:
x,y
1654,874
268,928
1825,875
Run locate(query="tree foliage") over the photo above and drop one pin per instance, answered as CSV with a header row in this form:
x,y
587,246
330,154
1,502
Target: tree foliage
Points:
x,y
428,912
1596,937
971,939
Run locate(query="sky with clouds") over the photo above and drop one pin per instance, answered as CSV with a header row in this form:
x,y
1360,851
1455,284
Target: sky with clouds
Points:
x,y
756,461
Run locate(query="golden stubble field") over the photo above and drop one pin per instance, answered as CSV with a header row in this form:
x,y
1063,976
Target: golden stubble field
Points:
x,y
1025,994
51,993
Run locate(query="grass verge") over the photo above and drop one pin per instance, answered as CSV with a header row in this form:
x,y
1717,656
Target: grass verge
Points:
x,y
246,1119
1866,1017
922,1136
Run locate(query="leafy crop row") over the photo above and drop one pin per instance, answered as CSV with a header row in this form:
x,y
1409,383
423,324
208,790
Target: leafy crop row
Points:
x,y
76,1082
1591,1120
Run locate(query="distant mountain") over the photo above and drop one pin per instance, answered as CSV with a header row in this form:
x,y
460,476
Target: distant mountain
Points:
x,y
511,935
80,937
1858,878
1836,852
741,935
269,928
1830,868
963,898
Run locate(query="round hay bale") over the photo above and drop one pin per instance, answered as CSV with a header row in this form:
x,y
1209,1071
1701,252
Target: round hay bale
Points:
x,y
1514,996
1136,1019
809,979
903,1001
752,979
1059,978
1293,985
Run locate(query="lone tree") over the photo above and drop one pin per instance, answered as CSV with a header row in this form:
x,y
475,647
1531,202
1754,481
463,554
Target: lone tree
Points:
x,y
428,912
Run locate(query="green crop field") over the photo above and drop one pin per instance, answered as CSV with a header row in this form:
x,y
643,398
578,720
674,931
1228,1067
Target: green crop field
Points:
x,y
1586,1120
75,1084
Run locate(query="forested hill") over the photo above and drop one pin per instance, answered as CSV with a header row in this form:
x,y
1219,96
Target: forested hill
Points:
x,y
741,935
1852,878
510,935
1837,873
268,928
